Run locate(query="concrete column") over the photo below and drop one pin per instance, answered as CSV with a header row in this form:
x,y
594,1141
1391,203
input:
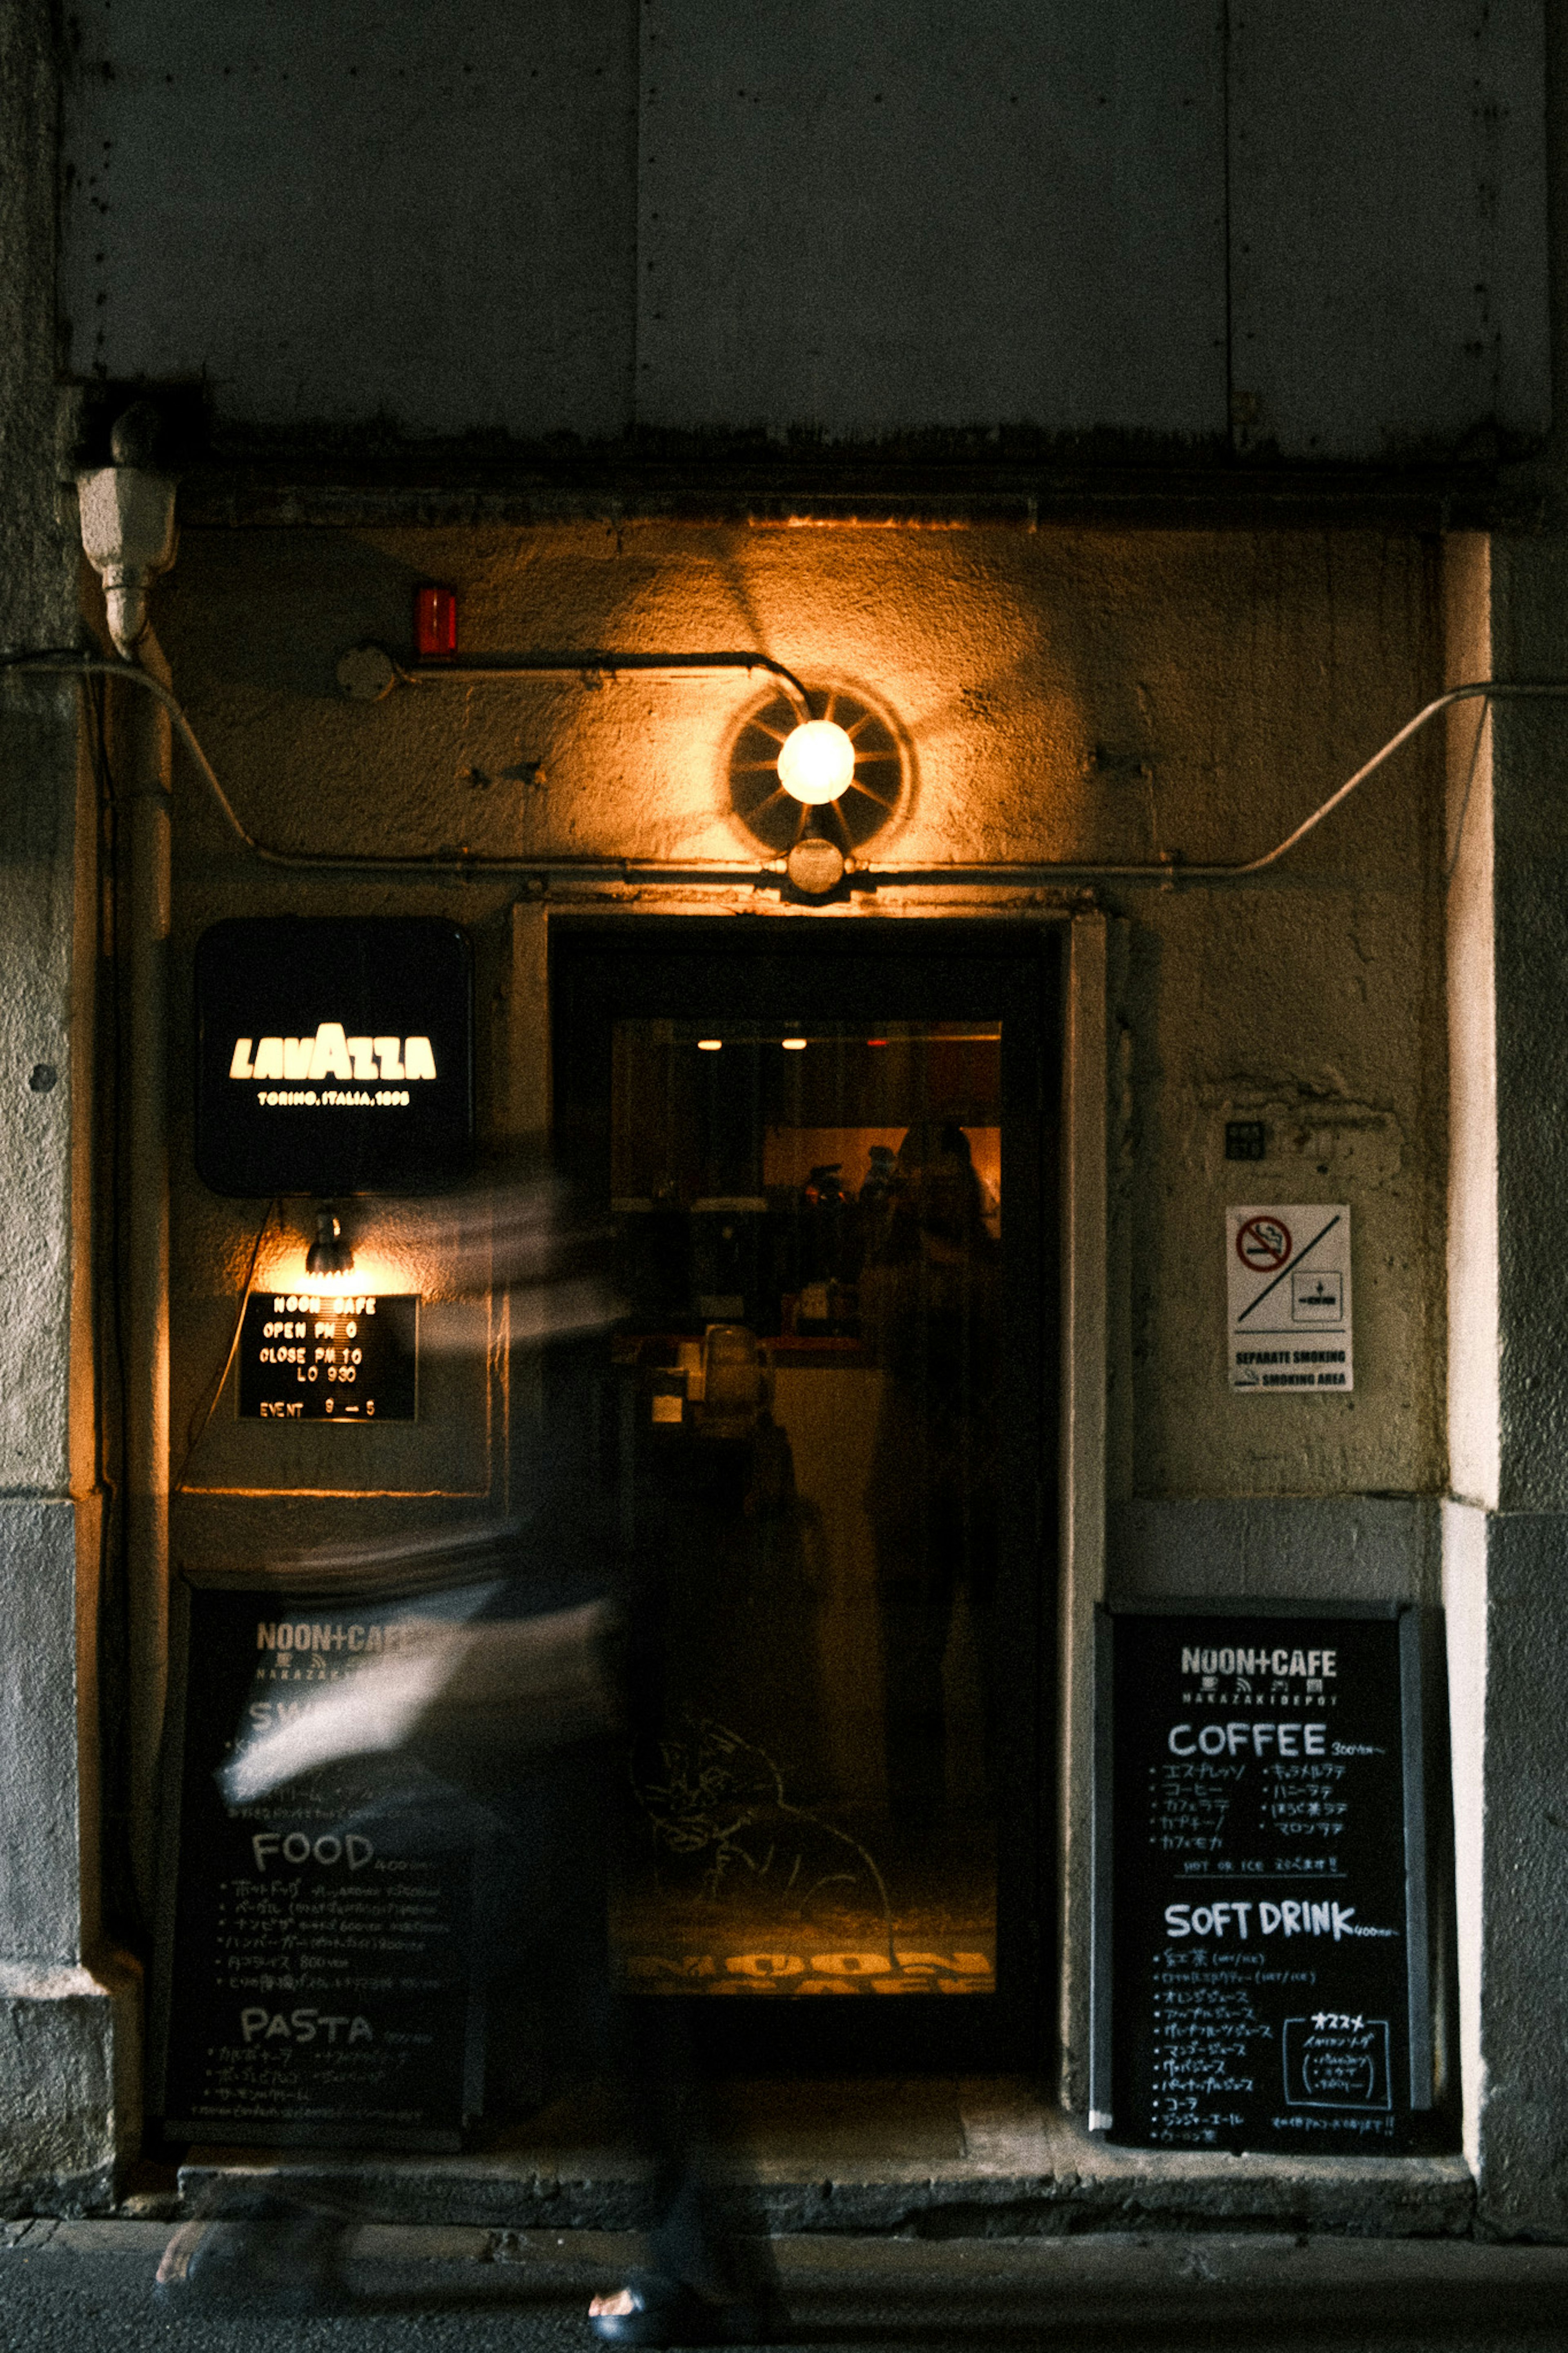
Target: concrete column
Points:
x,y
1505,1565
68,2077
1506,1531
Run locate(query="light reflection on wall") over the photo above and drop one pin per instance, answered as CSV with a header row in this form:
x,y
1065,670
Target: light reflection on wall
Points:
x,y
1062,691
283,1269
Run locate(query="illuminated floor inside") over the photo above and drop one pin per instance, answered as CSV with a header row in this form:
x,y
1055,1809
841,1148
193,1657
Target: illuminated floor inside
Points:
x,y
936,1935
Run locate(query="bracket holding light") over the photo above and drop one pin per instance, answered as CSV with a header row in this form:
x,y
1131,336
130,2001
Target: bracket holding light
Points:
x,y
813,775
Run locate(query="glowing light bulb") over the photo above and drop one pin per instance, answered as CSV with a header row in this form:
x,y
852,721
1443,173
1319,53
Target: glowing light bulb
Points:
x,y
793,1045
817,762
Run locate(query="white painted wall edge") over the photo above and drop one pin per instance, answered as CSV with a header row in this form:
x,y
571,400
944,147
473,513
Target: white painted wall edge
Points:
x,y
1464,1527
1475,1411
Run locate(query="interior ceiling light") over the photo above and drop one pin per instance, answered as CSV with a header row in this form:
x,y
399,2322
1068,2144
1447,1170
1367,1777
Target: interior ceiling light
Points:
x,y
817,763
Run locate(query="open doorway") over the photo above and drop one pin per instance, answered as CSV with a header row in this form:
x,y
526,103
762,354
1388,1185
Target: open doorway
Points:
x,y
828,1153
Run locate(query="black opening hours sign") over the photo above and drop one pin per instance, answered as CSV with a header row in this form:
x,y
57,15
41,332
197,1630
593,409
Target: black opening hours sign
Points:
x,y
305,1355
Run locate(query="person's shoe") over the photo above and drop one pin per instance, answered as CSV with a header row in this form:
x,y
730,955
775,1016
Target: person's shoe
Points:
x,y
653,2311
278,2257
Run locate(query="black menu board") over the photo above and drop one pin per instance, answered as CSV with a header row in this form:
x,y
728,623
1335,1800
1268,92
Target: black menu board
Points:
x,y
312,1978
1260,1967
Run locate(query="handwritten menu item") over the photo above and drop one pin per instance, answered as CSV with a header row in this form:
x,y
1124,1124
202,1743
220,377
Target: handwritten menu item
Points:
x,y
1261,1930
313,1981
309,1357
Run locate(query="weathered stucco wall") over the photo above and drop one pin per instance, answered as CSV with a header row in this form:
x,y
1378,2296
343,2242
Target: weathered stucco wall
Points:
x,y
68,2089
1071,694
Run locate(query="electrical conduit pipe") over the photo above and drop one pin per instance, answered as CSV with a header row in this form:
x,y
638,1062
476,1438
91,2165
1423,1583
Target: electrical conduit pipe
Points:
x,y
128,534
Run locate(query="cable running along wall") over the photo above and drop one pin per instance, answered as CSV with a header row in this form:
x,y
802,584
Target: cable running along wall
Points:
x,y
715,873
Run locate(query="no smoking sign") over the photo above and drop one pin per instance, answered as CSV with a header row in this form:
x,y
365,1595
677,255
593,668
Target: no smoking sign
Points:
x,y
1263,1244
1288,1283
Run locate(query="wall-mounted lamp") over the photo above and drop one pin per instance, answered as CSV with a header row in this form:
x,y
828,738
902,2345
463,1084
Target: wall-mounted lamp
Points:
x,y
128,524
817,790
329,1253
813,786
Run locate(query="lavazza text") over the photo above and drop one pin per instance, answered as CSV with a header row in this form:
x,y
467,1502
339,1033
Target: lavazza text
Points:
x,y
331,1054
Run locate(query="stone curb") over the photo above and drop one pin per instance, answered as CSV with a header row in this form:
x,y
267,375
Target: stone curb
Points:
x,y
1106,2191
1106,2265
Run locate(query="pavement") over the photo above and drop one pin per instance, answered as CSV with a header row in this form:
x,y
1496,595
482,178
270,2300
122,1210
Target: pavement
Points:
x,y
87,2287
927,2157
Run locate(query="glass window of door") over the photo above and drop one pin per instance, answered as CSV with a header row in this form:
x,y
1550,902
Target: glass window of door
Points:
x,y
827,1206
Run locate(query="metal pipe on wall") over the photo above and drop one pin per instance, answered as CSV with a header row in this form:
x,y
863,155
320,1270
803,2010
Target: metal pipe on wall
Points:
x,y
128,534
144,729
1164,872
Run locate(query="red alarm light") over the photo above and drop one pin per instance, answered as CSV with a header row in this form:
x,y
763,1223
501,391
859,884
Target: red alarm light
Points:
x,y
435,624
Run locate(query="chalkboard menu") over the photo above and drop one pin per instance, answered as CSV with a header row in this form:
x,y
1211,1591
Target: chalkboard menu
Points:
x,y
1260,1964
312,1980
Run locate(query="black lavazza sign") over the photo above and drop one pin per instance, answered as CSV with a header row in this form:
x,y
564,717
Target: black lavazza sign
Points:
x,y
313,1973
334,1056
1261,1965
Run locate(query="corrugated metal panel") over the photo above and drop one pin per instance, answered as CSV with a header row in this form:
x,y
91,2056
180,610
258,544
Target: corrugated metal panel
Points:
x,y
337,208
1388,224
875,218
853,217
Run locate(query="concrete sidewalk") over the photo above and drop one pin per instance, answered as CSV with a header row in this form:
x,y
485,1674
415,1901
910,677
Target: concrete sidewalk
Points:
x,y
88,2287
934,2155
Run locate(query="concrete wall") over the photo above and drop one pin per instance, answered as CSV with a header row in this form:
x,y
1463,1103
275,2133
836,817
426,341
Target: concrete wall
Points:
x,y
68,2088
1506,1541
1062,695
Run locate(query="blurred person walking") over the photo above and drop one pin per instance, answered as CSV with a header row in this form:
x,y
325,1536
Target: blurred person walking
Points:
x,y
506,1728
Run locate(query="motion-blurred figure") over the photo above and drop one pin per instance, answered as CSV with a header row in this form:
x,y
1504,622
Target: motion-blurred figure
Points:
x,y
931,1307
504,1725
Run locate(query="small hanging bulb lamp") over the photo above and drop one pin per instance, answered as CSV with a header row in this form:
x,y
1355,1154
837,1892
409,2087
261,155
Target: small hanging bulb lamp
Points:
x,y
329,1252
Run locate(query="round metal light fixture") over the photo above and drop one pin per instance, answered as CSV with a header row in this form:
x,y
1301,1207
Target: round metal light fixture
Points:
x,y
817,763
814,791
